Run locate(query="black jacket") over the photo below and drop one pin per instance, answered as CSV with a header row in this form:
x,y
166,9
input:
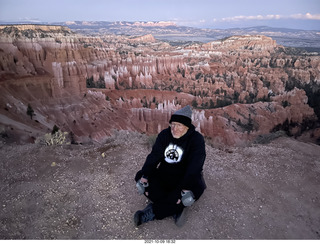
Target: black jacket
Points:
x,y
177,163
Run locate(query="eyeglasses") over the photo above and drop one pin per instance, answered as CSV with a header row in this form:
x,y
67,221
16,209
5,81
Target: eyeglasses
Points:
x,y
177,125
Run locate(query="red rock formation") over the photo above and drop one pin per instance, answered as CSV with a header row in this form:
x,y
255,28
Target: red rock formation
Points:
x,y
238,123
56,72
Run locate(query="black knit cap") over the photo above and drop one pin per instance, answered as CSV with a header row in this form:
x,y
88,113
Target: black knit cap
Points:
x,y
182,116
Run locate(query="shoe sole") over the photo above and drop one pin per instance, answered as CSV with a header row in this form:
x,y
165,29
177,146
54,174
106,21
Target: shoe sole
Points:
x,y
136,218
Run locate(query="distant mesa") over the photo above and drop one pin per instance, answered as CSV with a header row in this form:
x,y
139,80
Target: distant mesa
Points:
x,y
151,23
123,23
23,27
145,38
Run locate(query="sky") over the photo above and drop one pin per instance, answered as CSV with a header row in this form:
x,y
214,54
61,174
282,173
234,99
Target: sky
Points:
x,y
218,14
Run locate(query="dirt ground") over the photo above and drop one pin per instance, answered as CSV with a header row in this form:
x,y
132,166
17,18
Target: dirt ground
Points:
x,y
264,191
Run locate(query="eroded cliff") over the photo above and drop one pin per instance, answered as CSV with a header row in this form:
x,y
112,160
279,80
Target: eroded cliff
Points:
x,y
241,87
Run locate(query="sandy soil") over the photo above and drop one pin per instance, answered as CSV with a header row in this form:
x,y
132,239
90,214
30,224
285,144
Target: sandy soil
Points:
x,y
265,191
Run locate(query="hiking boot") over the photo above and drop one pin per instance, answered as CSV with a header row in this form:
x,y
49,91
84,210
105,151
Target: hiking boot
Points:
x,y
180,219
144,216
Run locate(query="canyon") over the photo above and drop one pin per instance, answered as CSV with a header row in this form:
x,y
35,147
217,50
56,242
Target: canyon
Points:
x,y
169,31
241,88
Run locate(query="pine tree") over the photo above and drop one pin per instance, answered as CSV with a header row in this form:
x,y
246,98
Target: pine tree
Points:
x,y
30,111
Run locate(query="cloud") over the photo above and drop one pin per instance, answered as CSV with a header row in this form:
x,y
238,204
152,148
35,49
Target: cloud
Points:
x,y
244,19
307,16
255,17
189,22
28,19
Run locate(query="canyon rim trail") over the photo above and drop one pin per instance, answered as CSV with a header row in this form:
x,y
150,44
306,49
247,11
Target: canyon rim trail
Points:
x,y
262,191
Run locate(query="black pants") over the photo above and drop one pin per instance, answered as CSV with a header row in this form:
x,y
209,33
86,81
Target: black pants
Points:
x,y
164,199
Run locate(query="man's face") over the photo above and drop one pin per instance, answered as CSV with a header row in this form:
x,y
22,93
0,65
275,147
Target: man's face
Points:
x,y
178,129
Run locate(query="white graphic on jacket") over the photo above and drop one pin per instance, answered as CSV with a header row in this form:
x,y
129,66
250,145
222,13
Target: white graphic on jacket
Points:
x,y
173,154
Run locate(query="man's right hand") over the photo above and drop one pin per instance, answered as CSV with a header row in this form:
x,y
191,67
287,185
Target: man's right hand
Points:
x,y
143,180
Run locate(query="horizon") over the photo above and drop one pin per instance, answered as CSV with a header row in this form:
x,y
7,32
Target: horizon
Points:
x,y
65,23
204,14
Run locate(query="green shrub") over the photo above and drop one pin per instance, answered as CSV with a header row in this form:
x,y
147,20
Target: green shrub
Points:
x,y
58,138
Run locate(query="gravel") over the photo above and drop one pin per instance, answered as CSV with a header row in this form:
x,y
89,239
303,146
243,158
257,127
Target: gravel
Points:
x,y
263,191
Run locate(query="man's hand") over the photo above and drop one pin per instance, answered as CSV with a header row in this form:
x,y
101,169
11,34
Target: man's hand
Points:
x,y
179,200
144,180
